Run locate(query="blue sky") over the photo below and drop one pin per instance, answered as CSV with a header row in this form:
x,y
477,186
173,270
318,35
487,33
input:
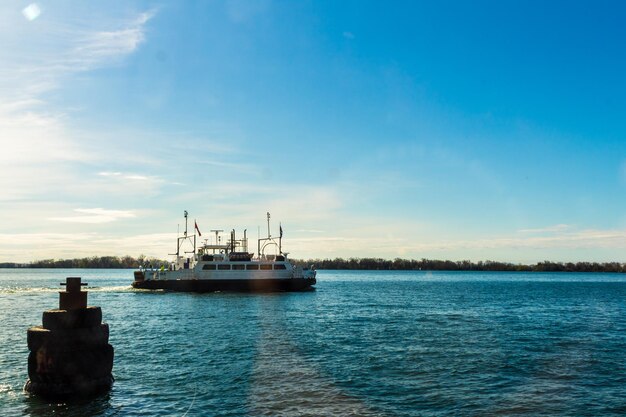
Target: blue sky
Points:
x,y
455,130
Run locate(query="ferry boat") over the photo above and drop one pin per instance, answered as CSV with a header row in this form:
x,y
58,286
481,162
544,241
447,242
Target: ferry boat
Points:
x,y
226,265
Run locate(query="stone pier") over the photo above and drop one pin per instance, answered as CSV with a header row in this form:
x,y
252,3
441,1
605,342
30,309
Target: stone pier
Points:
x,y
70,355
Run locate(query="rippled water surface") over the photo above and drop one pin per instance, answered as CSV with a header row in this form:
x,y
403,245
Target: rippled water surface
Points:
x,y
363,343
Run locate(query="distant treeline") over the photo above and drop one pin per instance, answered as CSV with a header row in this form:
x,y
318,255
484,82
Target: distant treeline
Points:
x,y
91,262
340,263
438,265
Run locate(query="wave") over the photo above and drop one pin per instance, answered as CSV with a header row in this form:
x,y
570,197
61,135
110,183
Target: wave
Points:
x,y
44,290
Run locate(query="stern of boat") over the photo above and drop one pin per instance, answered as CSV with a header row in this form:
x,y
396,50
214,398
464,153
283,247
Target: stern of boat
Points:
x,y
305,274
139,276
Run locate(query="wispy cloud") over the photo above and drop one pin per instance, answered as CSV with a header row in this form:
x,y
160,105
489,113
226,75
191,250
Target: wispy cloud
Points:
x,y
94,48
549,229
40,152
232,166
95,216
136,177
245,200
581,239
62,50
26,247
574,240
407,243
131,183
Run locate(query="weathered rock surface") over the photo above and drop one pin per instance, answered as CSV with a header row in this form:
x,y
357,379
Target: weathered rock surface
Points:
x,y
70,355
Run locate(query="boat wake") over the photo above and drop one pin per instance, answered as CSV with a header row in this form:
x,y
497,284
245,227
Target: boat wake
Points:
x,y
43,290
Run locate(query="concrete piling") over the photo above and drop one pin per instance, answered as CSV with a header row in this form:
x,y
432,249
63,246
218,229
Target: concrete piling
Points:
x,y
70,355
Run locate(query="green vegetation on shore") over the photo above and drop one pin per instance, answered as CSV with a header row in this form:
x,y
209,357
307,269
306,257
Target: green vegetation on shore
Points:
x,y
94,262
438,265
346,264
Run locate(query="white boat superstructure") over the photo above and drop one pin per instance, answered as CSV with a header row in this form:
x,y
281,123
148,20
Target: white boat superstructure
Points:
x,y
226,264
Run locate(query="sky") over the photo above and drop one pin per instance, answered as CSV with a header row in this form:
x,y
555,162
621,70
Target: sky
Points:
x,y
479,130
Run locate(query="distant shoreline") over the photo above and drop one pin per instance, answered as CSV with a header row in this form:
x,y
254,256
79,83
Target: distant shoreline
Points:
x,y
352,264
378,264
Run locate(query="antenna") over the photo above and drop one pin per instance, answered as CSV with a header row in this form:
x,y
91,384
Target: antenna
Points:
x,y
268,225
217,233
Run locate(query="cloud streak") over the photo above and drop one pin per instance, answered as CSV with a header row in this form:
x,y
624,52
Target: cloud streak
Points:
x,y
557,228
95,48
62,50
40,153
348,243
95,216
584,239
137,177
26,247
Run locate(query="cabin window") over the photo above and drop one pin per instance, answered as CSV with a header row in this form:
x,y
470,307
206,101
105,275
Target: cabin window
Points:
x,y
252,266
266,267
280,266
205,267
223,267
239,266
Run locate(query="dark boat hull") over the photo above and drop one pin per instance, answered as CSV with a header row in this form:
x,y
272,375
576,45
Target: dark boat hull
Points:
x,y
239,285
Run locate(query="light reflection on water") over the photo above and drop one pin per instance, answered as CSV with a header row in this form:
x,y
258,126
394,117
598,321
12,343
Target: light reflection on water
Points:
x,y
364,343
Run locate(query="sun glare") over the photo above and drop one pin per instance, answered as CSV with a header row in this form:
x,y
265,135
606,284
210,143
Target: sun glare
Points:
x,y
32,11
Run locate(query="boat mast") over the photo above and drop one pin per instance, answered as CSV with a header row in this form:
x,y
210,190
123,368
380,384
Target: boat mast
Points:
x,y
269,240
217,238
180,240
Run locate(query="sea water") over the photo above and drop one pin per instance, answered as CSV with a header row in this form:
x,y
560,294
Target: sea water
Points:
x,y
363,343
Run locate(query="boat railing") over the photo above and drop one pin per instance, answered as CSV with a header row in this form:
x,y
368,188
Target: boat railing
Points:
x,y
298,271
